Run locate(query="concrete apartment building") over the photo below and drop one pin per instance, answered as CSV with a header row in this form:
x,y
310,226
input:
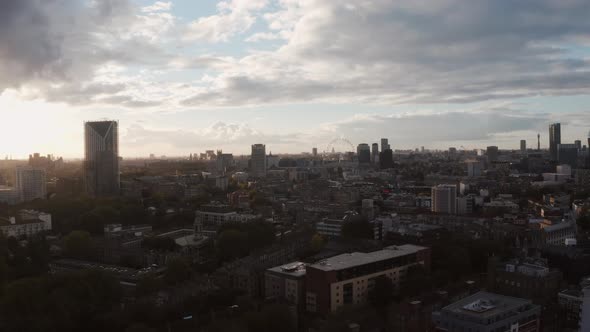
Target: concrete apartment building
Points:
x,y
348,278
488,312
444,199
27,223
258,161
31,183
286,283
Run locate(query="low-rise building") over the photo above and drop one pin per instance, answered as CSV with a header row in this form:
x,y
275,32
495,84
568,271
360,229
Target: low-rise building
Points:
x,y
529,278
218,214
27,223
348,278
488,312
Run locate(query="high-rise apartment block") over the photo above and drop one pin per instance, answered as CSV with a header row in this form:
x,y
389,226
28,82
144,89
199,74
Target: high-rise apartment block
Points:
x,y
444,198
385,144
567,154
492,153
101,158
522,145
258,161
31,183
363,152
554,139
374,153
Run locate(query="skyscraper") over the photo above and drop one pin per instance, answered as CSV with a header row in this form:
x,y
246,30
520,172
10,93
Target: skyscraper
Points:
x,y
522,145
258,161
30,183
492,153
444,198
314,152
374,152
578,144
101,158
554,139
384,144
567,154
386,159
363,152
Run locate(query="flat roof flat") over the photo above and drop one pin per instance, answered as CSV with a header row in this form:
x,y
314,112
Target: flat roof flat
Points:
x,y
345,261
294,269
484,304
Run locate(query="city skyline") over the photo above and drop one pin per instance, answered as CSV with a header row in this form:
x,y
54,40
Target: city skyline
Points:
x,y
184,76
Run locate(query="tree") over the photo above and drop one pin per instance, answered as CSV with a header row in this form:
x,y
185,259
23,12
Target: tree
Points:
x,y
317,243
78,244
231,244
148,285
178,270
359,228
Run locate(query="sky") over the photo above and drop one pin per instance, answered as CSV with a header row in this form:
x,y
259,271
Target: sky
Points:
x,y
186,76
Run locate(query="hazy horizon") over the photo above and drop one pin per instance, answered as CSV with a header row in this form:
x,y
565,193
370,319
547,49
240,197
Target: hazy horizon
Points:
x,y
187,76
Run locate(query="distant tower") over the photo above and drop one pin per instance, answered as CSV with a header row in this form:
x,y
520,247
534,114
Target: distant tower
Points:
x,y
554,139
538,142
101,159
374,153
258,161
314,152
522,145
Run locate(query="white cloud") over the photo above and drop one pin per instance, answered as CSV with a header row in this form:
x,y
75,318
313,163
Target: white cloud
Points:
x,y
157,7
234,17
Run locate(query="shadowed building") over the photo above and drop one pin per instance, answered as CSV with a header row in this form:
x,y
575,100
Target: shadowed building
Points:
x,y
101,158
554,139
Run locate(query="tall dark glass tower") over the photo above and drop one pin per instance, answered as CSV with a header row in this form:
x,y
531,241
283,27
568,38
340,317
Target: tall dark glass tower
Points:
x,y
554,139
101,158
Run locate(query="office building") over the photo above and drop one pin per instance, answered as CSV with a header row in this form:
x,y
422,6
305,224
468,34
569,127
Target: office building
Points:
x,y
101,158
444,199
363,152
347,279
554,139
374,153
314,152
567,154
488,312
474,168
31,183
578,144
522,145
258,161
386,159
492,153
385,144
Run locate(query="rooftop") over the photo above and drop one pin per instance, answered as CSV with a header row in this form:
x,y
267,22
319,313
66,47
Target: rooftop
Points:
x,y
295,269
345,261
484,304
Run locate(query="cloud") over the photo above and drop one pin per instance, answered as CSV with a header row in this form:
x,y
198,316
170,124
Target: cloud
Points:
x,y
391,52
234,17
58,50
237,137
